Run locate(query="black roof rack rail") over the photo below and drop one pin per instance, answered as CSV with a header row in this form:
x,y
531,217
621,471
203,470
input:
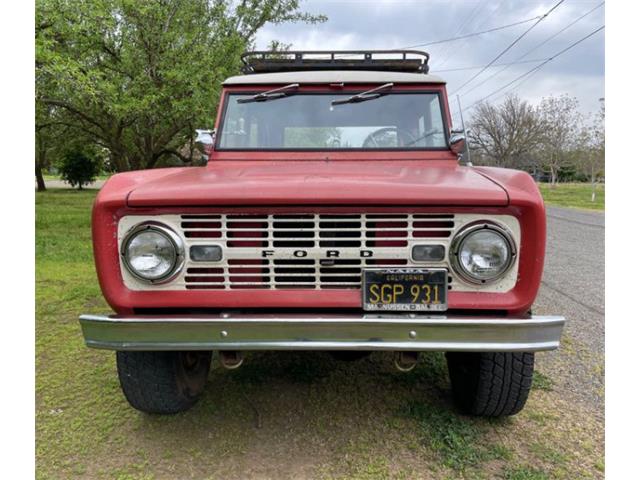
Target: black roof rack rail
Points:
x,y
413,61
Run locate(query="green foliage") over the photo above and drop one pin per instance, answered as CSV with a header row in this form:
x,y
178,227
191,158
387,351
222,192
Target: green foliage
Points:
x,y
500,451
80,167
524,473
312,137
541,382
137,77
455,438
548,453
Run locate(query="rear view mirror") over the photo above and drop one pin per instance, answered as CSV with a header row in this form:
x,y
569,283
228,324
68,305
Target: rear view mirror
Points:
x,y
205,137
457,144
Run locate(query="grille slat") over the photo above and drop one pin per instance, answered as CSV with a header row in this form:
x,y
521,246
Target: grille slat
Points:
x,y
297,246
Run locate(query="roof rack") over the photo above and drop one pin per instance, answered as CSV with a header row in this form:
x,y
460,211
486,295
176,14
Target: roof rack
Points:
x,y
413,61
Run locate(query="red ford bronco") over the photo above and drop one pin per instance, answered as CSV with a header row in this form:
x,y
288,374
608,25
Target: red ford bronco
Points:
x,y
333,214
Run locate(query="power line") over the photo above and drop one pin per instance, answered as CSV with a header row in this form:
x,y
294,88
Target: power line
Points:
x,y
509,47
528,52
524,79
453,39
475,34
448,50
462,44
562,30
535,69
538,67
477,67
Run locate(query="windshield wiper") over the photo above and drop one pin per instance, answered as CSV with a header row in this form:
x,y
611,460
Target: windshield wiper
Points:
x,y
270,94
364,96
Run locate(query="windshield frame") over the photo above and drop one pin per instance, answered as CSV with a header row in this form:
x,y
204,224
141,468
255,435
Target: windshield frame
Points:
x,y
228,94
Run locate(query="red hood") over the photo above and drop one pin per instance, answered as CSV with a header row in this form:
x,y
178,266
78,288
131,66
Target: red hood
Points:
x,y
319,182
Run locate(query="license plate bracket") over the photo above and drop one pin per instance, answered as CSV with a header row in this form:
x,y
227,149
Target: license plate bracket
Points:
x,y
404,289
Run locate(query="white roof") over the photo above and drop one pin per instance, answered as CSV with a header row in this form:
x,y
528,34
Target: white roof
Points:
x,y
332,76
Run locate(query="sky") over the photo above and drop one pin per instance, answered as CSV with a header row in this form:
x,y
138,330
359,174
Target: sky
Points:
x,y
390,24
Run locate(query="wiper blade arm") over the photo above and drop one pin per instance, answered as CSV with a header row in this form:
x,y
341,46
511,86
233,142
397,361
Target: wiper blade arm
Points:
x,y
270,94
364,96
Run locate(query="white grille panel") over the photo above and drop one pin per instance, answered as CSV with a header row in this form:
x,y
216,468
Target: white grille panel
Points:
x,y
308,250
271,237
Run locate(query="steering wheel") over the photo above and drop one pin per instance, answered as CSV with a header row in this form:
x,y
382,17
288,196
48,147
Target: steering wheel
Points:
x,y
372,142
425,135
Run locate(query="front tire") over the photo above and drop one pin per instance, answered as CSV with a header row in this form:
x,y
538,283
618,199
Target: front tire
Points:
x,y
490,384
163,382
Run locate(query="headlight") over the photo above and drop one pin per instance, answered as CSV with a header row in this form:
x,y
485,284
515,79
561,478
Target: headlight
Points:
x,y
482,253
153,253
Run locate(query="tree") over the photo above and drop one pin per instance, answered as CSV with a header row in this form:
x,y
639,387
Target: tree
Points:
x,y
590,153
504,135
562,124
52,137
44,144
80,166
313,137
137,77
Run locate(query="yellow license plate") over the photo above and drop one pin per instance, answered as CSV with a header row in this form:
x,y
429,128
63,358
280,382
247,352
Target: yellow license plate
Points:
x,y
405,289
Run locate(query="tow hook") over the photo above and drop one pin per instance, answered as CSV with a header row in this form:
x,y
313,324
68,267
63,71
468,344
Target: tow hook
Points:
x,y
405,361
231,359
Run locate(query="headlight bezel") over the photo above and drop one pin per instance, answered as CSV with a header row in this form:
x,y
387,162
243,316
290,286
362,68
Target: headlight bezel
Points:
x,y
175,240
463,234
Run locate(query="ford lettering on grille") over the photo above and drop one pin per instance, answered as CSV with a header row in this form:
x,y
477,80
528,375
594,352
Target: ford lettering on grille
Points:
x,y
308,251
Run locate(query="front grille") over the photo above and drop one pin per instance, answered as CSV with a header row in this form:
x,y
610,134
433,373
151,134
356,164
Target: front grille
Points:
x,y
301,249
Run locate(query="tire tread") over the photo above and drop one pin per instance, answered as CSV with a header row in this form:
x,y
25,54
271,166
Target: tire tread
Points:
x,y
149,381
491,384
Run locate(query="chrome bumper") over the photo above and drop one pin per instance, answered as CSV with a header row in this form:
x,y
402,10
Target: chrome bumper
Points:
x,y
322,332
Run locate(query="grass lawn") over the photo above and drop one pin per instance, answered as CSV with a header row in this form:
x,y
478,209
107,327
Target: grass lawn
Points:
x,y
282,415
575,195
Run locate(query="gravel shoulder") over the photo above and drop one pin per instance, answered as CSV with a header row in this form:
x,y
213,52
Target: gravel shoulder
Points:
x,y
573,286
62,184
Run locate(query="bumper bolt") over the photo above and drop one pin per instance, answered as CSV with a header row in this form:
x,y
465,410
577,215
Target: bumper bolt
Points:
x,y
412,334
223,333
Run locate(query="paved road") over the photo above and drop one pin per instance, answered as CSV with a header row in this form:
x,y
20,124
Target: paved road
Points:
x,y
573,285
63,184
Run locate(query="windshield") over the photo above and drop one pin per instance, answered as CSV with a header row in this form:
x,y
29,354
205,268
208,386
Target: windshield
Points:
x,y
309,121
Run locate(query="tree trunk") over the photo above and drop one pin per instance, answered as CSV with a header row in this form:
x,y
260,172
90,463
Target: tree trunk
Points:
x,y
39,178
119,160
554,177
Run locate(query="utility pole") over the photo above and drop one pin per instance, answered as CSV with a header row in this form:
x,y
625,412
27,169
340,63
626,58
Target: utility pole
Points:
x,y
466,142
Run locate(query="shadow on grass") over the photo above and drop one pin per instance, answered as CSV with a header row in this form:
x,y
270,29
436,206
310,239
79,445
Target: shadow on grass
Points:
x,y
318,384
292,398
